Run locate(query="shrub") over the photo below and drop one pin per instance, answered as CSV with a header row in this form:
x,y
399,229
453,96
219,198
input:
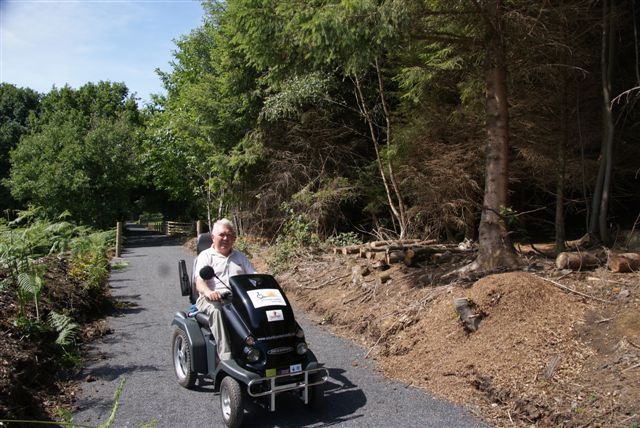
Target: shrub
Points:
x,y
296,238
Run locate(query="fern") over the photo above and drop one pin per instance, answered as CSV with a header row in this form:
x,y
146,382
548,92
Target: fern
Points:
x,y
30,285
66,328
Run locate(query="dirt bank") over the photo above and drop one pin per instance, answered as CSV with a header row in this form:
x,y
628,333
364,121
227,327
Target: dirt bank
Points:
x,y
542,355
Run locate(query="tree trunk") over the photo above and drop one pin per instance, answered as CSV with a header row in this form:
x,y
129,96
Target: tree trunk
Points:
x,y
397,210
560,179
598,226
495,247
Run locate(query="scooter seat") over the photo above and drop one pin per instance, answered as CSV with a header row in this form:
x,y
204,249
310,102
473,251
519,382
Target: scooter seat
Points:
x,y
203,319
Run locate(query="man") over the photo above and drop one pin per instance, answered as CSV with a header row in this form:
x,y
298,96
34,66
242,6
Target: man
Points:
x,y
226,262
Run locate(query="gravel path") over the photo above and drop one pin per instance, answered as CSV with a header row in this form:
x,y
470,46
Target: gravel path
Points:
x,y
138,350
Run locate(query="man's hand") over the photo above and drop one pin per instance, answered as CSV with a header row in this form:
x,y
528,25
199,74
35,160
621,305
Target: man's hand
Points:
x,y
214,295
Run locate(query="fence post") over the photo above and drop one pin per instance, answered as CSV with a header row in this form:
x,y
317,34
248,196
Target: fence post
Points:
x,y
198,228
118,238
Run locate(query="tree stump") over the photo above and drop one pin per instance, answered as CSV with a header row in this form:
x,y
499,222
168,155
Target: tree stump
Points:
x,y
468,314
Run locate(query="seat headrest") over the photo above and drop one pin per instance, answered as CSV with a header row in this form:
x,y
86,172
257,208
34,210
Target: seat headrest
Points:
x,y
204,242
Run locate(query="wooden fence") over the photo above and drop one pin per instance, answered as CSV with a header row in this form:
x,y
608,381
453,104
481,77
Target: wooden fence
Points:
x,y
191,228
180,228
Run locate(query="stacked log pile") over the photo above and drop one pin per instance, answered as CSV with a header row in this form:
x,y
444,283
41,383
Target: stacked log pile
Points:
x,y
407,251
412,251
584,260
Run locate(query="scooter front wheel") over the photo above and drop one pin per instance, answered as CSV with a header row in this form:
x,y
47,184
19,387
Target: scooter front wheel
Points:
x,y
231,402
182,357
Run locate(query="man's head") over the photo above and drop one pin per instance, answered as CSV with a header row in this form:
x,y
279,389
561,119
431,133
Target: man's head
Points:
x,y
223,235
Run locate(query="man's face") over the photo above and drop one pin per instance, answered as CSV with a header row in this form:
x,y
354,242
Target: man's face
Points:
x,y
223,239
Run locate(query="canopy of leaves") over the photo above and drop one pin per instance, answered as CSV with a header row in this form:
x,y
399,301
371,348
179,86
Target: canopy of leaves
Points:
x,y
17,105
313,103
80,154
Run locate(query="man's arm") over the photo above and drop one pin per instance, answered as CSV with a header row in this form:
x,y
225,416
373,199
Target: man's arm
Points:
x,y
246,265
202,288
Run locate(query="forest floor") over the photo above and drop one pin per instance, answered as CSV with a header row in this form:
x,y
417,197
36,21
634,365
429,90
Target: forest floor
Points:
x,y
543,355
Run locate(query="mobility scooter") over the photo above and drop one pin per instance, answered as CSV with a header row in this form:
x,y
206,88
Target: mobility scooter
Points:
x,y
269,352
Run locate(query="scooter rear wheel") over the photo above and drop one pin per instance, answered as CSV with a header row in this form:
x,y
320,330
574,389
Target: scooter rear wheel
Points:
x,y
182,357
231,402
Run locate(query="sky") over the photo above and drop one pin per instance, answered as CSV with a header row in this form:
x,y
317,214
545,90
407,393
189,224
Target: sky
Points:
x,y
56,42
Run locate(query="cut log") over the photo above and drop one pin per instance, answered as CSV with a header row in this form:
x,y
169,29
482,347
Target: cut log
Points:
x,y
350,249
440,258
414,255
398,242
380,265
625,262
360,271
384,277
576,261
579,243
376,255
466,310
410,258
395,256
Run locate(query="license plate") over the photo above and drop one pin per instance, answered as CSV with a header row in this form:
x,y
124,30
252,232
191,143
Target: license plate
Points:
x,y
294,368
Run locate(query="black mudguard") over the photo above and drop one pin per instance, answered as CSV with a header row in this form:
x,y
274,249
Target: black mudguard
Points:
x,y
196,340
231,368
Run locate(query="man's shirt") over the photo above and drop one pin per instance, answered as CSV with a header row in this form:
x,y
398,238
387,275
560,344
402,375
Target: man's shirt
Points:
x,y
224,267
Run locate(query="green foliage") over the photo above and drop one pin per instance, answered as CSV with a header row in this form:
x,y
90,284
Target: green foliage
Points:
x,y
296,92
30,327
31,237
298,230
30,286
344,239
89,260
513,222
66,328
294,240
63,415
121,264
196,144
17,107
116,405
244,246
150,217
80,154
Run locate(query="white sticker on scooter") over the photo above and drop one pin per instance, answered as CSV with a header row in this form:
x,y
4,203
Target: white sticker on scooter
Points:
x,y
276,315
266,297
295,368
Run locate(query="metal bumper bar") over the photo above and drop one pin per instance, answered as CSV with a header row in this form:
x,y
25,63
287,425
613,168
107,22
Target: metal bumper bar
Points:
x,y
294,384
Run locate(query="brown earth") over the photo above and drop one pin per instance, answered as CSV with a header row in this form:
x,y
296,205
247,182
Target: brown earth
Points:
x,y
542,356
34,373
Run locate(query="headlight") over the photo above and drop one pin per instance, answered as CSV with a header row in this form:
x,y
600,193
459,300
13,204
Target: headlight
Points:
x,y
250,341
299,333
251,354
301,348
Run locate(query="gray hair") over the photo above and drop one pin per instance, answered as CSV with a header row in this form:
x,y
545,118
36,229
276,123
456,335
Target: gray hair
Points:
x,y
223,222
